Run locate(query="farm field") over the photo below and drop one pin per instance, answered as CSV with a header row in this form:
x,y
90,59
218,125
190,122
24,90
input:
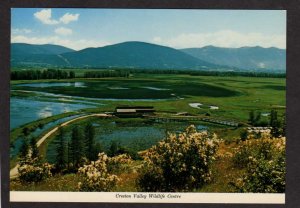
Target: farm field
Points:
x,y
46,104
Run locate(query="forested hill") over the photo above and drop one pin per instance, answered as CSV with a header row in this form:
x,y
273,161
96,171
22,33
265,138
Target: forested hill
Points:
x,y
141,55
26,49
136,55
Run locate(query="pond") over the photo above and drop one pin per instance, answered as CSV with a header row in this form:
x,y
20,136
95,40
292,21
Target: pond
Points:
x,y
134,136
155,88
37,132
25,110
53,84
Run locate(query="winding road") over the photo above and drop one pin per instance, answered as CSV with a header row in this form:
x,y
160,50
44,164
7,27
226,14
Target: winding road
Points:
x,y
14,171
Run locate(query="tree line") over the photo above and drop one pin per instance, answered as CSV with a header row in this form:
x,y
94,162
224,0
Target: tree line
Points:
x,y
211,73
34,74
106,73
72,154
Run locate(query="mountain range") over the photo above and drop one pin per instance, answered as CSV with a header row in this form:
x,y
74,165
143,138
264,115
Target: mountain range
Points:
x,y
141,55
243,58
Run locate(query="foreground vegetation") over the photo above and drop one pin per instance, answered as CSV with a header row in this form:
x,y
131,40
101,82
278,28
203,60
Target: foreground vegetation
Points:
x,y
190,161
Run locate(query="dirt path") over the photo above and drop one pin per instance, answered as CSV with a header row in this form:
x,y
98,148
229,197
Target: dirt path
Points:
x,y
14,171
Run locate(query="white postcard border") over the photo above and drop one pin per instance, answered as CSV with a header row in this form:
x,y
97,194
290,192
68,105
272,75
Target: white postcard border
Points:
x,y
145,197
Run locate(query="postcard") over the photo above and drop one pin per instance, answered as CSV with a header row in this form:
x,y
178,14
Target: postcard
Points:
x,y
148,105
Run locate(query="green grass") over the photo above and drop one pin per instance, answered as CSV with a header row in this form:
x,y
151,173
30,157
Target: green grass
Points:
x,y
235,96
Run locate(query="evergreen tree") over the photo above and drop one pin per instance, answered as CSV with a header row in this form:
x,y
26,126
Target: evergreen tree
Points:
x,y
251,117
257,118
98,149
244,135
113,150
76,147
24,149
273,117
26,131
33,147
275,124
284,124
90,142
71,74
61,150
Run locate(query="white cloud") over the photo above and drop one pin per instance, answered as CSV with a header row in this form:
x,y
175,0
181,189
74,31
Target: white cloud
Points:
x,y
45,16
63,31
67,18
74,44
223,38
21,31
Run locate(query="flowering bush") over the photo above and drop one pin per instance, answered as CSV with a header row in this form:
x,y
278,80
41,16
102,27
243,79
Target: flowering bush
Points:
x,y
97,176
32,170
265,165
179,162
119,163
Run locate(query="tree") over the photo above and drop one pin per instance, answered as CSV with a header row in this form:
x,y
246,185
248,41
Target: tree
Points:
x,y
34,149
273,117
24,149
284,124
275,124
98,148
89,132
251,117
71,74
26,131
244,135
257,118
113,150
76,147
60,162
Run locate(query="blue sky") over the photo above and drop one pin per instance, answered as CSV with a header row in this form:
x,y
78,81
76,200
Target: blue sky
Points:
x,y
82,28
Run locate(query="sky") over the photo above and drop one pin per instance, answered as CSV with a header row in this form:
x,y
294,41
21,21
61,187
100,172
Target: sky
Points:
x,y
83,28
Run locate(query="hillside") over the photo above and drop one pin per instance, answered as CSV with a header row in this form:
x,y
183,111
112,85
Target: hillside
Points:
x,y
28,54
123,55
24,48
141,55
135,55
243,58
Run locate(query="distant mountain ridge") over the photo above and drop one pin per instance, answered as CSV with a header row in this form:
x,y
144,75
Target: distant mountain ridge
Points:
x,y
24,48
123,55
32,55
136,55
243,58
141,55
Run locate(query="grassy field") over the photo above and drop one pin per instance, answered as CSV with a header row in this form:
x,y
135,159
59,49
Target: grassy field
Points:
x,y
235,96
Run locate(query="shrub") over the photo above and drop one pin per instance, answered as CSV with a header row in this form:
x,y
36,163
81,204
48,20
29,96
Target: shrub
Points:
x,y
32,170
96,176
241,156
254,146
264,166
119,163
244,135
179,162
